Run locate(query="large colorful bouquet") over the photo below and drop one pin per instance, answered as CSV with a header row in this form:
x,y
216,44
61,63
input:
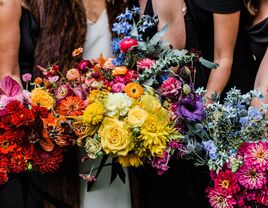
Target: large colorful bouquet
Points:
x,y
24,145
232,141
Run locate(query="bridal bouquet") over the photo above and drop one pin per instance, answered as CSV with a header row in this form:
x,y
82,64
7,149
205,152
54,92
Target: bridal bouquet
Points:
x,y
232,141
23,141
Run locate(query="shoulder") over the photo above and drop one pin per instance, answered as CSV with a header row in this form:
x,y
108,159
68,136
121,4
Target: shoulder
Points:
x,y
9,9
220,6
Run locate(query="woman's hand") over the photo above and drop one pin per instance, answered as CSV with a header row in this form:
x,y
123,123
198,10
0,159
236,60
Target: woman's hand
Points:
x,y
10,13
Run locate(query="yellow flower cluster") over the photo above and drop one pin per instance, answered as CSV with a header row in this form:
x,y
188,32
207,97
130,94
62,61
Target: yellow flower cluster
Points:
x,y
94,113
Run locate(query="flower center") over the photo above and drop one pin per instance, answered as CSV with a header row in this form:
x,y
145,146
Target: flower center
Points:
x,y
5,144
253,174
225,184
260,155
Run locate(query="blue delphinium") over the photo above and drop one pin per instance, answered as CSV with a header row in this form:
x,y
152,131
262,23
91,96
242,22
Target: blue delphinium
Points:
x,y
211,149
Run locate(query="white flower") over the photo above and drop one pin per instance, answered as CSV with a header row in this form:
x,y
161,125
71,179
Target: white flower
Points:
x,y
117,104
92,147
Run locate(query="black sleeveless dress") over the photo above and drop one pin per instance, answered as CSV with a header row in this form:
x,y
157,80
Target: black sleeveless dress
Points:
x,y
18,193
200,35
258,36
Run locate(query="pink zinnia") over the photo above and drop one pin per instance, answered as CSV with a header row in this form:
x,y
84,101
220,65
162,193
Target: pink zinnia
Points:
x,y
118,87
256,155
251,178
145,64
226,183
217,200
171,87
262,197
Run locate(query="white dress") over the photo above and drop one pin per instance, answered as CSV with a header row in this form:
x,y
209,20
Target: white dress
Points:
x,y
102,195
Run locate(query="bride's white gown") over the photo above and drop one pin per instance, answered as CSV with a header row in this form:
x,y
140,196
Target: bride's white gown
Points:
x,y
102,195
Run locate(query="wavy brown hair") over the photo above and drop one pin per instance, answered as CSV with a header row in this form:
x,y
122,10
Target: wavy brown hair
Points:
x,y
62,29
252,6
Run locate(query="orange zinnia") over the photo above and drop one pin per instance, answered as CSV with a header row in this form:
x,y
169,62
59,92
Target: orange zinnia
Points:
x,y
72,106
6,146
134,90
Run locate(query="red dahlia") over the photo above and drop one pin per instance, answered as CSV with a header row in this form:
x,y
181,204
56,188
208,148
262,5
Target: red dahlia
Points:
x,y
22,117
226,183
40,111
3,176
14,106
18,162
47,162
16,136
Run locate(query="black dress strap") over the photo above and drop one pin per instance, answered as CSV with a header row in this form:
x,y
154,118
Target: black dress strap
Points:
x,y
149,10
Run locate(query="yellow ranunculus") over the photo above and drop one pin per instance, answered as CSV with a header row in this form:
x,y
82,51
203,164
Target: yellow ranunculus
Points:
x,y
115,137
137,116
130,160
42,98
150,103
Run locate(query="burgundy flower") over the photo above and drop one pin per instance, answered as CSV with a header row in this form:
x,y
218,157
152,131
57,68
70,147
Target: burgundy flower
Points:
x,y
84,65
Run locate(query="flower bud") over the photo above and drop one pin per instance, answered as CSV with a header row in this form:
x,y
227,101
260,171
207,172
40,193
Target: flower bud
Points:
x,y
127,43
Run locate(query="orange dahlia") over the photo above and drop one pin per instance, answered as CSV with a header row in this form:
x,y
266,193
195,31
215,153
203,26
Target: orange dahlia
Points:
x,y
72,106
134,90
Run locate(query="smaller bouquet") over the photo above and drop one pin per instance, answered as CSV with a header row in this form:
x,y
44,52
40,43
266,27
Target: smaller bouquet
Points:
x,y
24,145
232,141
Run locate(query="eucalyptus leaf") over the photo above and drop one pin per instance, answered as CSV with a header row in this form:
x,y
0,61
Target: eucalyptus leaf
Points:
x,y
208,64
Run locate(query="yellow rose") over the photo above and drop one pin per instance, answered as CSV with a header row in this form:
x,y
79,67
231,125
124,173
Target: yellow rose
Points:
x,y
42,98
115,137
137,116
130,160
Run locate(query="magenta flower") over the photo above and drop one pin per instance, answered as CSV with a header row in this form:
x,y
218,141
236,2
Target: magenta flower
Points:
x,y
53,79
118,87
26,77
256,155
145,64
63,91
171,87
251,178
161,164
127,44
226,183
131,76
119,79
84,65
262,196
217,200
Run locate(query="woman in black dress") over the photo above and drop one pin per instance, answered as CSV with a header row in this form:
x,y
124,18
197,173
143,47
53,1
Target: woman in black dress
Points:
x,y
258,37
213,27
30,35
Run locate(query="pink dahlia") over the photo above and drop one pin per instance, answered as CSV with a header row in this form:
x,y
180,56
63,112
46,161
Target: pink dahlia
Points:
x,y
171,87
251,178
256,155
226,183
217,200
144,64
262,197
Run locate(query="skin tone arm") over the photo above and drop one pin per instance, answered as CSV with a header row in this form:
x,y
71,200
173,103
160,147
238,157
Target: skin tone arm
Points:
x,y
170,12
10,13
225,35
261,81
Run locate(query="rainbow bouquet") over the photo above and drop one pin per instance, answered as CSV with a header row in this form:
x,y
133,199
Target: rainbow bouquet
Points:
x,y
232,141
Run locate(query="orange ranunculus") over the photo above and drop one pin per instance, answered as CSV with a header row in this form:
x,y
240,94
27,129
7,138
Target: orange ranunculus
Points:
x,y
134,90
72,106
42,98
38,80
120,70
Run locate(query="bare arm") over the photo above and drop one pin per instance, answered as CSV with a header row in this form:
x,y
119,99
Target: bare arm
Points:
x,y
261,81
225,35
170,12
10,12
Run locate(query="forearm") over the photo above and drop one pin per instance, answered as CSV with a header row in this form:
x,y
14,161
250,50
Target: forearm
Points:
x,y
219,77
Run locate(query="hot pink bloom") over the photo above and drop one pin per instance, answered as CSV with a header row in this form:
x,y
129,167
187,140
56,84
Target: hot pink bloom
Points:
x,y
226,183
63,91
262,197
53,79
256,155
73,75
119,79
84,65
251,178
127,44
118,87
131,76
171,87
217,200
145,64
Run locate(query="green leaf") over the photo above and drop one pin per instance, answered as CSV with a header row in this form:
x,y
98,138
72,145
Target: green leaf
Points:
x,y
208,64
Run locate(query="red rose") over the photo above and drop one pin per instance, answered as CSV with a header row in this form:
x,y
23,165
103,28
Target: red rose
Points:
x,y
128,43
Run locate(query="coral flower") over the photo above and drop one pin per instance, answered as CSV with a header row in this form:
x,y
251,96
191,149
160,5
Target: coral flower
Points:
x,y
72,106
6,145
251,178
256,155
38,80
134,90
77,51
226,183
